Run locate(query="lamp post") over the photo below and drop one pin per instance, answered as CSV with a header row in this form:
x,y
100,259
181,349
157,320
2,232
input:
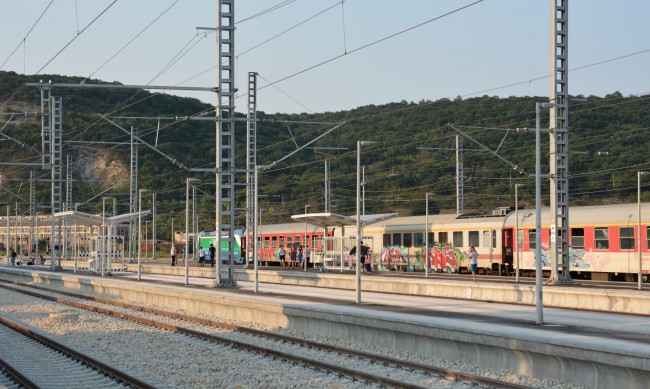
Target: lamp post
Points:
x,y
539,304
140,230
517,186
306,241
638,179
102,236
358,262
187,227
146,239
253,244
426,237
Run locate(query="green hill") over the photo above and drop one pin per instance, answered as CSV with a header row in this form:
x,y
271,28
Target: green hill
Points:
x,y
415,153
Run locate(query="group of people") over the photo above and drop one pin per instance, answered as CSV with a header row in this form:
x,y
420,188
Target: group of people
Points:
x,y
15,261
365,267
212,251
296,258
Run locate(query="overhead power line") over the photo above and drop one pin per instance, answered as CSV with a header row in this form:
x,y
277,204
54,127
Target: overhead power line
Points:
x,y
76,36
372,43
22,42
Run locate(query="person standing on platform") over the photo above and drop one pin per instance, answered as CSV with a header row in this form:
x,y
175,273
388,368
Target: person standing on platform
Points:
x,y
292,257
201,256
173,252
283,256
212,251
473,261
13,257
307,256
300,257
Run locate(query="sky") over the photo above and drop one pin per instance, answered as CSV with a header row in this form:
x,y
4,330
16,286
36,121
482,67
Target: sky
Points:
x,y
490,47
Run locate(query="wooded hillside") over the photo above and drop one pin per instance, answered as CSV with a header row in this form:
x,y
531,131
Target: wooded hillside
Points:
x,y
415,153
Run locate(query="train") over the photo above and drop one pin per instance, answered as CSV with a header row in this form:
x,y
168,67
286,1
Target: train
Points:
x,y
603,241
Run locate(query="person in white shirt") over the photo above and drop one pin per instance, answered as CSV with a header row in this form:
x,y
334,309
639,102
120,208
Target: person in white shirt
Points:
x,y
174,252
473,261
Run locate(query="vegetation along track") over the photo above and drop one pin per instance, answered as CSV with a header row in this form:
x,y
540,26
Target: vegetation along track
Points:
x,y
360,358
32,360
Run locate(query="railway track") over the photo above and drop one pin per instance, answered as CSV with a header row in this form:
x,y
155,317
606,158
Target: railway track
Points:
x,y
33,360
368,368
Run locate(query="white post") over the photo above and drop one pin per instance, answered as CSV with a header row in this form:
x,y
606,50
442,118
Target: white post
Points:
x,y
539,305
638,177
253,245
187,227
306,243
358,256
517,230
102,236
140,231
426,238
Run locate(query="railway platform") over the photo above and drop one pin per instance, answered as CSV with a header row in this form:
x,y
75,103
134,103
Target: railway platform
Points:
x,y
589,348
627,301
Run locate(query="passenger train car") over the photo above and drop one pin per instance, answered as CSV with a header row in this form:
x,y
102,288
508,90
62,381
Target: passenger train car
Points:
x,y
603,242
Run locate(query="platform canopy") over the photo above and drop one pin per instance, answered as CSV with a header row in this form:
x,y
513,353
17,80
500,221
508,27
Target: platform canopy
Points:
x,y
329,219
87,219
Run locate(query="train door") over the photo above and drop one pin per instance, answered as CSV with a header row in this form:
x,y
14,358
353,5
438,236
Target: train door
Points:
x,y
507,245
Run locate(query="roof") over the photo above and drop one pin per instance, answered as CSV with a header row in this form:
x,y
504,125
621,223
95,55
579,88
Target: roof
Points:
x,y
87,219
329,219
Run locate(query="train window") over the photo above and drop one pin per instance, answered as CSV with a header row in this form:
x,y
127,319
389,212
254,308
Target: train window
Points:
x,y
520,239
397,239
601,238
647,237
486,239
418,239
297,244
442,238
494,239
473,238
432,238
408,240
266,242
274,241
626,237
531,239
282,241
386,240
458,238
289,241
578,238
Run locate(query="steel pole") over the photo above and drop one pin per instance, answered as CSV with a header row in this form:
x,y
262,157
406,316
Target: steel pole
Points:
x,y
539,307
517,232
426,238
253,245
638,178
187,227
357,268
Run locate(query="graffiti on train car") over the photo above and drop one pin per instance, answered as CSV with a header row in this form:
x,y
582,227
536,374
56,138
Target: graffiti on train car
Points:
x,y
446,257
392,258
441,257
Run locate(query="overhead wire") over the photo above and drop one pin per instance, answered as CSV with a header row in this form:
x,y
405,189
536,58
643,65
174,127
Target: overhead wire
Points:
x,y
131,40
22,42
76,36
